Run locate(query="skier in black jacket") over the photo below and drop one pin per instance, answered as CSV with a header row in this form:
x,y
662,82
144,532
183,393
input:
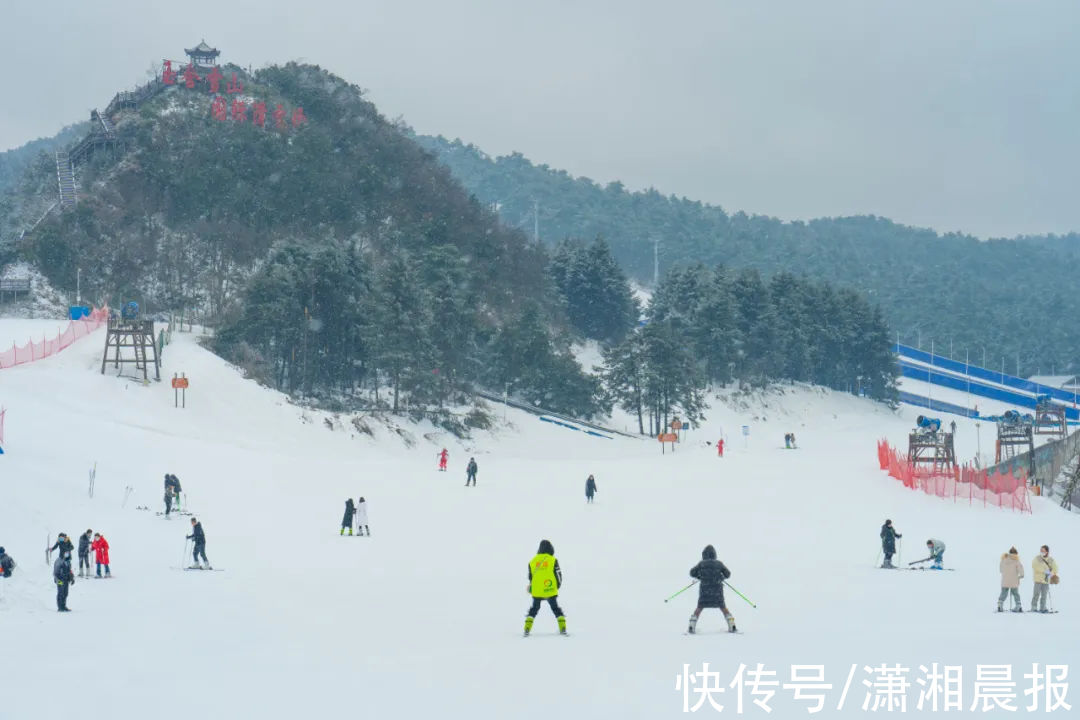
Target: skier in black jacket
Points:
x,y
888,542
346,522
84,553
199,537
7,564
710,574
172,484
470,472
63,543
590,488
64,579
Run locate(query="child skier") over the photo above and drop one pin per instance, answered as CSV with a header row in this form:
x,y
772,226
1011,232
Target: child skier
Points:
x,y
545,580
444,456
84,553
361,518
1045,575
710,574
101,553
346,522
888,542
590,488
470,473
1011,572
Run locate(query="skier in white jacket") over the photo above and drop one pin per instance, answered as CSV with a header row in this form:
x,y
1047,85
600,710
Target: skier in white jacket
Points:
x,y
361,518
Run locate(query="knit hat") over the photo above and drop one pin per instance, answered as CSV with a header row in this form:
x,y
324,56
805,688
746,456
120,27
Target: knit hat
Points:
x,y
1012,551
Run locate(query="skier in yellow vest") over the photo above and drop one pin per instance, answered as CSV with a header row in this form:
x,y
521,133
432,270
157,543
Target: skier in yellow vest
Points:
x,y
545,579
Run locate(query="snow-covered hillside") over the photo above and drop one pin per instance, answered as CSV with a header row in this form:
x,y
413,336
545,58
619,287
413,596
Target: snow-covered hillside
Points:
x,y
424,618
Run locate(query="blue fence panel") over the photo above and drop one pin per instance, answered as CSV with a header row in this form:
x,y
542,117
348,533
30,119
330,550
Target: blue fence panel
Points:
x,y
983,374
935,405
918,372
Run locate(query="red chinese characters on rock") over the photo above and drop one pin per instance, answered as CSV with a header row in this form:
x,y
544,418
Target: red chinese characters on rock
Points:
x,y
234,86
218,110
279,117
190,77
168,75
298,118
239,110
258,114
214,78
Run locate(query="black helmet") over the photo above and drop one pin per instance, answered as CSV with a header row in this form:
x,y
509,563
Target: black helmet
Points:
x,y
709,553
1,551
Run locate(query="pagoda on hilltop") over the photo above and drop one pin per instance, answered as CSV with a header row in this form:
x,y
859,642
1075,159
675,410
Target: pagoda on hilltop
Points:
x,y
203,55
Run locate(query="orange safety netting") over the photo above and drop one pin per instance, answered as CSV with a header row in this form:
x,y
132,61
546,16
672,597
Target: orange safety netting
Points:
x,y
1005,490
32,351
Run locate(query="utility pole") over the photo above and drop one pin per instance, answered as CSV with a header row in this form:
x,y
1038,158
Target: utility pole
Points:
x,y
536,221
78,286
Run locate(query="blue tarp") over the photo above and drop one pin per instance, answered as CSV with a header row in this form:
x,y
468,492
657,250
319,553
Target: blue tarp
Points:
x,y
78,312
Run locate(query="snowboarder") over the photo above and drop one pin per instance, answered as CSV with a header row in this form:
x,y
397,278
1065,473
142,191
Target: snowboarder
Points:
x,y
1045,575
545,581
346,522
1011,572
199,537
361,518
888,542
470,473
64,579
101,554
7,564
84,553
710,574
590,488
720,447
444,457
937,553
63,544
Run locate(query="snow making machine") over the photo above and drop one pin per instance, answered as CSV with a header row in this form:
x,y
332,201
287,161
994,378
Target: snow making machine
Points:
x,y
929,445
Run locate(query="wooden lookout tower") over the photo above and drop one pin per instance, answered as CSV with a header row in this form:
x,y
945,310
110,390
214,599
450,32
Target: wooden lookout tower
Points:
x,y
929,445
1014,436
131,341
1049,417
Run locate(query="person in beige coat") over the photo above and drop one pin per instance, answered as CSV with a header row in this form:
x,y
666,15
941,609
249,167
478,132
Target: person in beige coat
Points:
x,y
1011,572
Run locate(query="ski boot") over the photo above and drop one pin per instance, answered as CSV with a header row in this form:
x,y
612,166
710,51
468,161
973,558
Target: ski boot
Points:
x,y
562,624
1018,609
528,624
1000,608
731,624
693,625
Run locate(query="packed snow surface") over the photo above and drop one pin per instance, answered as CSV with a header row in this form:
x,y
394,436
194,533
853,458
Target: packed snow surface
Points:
x,y
424,618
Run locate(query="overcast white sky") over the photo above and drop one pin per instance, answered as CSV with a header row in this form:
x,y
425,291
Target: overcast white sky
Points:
x,y
952,114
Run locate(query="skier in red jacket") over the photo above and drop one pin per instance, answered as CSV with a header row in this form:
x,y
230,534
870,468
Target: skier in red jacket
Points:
x,y
720,447
100,547
443,457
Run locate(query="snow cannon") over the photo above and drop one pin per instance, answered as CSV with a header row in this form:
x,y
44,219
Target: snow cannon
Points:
x,y
928,424
1027,419
1042,401
130,311
1011,416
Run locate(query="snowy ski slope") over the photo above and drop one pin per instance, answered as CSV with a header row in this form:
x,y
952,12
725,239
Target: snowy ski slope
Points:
x,y
424,619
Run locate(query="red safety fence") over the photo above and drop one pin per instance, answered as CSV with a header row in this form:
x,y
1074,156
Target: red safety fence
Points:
x,y
1004,490
75,330
2,412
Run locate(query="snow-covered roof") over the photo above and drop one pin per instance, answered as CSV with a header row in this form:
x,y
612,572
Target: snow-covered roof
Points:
x,y
1055,381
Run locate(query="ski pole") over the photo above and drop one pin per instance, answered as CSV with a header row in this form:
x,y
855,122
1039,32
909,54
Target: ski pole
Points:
x,y
899,550
740,594
877,557
185,553
921,561
682,591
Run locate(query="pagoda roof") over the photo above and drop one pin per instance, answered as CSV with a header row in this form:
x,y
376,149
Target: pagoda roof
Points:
x,y
202,49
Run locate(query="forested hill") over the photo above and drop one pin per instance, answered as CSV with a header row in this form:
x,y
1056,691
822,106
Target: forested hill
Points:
x,y
1012,297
